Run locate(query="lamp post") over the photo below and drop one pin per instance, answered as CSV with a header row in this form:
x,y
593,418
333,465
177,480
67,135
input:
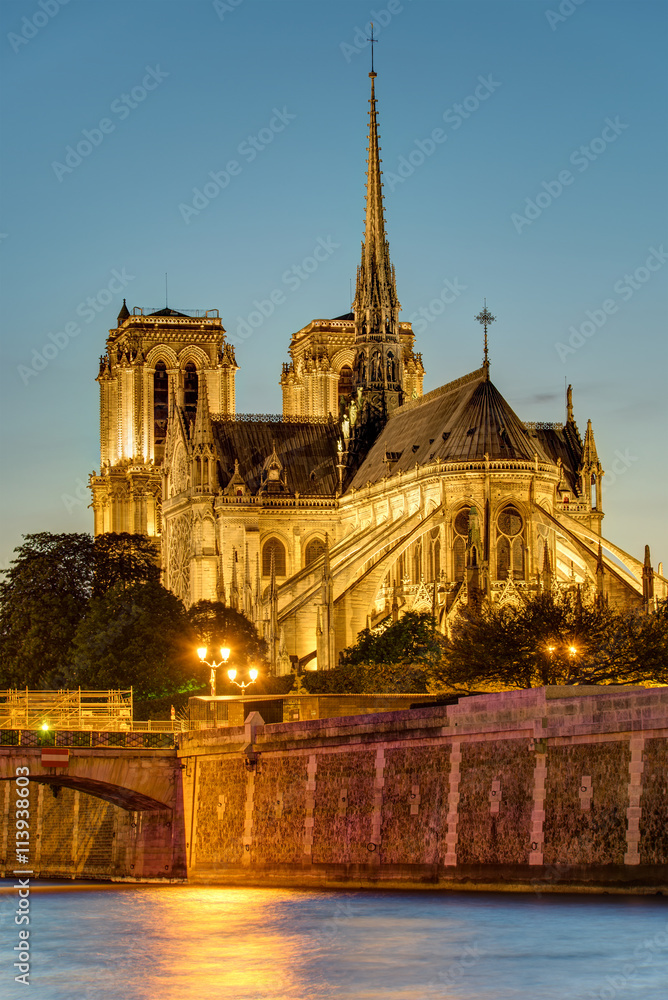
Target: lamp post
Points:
x,y
225,655
252,673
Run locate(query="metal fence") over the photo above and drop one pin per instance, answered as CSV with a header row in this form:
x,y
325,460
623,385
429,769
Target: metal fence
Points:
x,y
40,739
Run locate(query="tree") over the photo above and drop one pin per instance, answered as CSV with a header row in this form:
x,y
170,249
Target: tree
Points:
x,y
216,625
136,635
413,639
397,660
636,647
551,640
43,597
124,558
46,592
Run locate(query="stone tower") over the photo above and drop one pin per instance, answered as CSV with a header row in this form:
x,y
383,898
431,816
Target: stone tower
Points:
x,y
152,363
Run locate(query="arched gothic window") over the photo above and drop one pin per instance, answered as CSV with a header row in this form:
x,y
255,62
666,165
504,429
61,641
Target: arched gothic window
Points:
x,y
509,544
275,546
461,534
190,388
160,409
361,367
313,551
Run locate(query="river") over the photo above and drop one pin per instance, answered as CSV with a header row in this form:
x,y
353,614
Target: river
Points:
x,y
110,942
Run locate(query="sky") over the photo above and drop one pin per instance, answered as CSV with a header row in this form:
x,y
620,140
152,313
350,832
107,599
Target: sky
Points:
x,y
525,158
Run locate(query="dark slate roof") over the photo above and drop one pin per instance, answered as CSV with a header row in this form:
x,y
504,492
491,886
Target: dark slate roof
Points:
x,y
348,316
307,451
167,312
459,422
565,444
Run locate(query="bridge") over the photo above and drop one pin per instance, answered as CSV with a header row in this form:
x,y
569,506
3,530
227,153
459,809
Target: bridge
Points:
x,y
103,811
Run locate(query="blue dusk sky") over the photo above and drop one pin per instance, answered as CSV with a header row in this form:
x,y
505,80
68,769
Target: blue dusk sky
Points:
x,y
524,157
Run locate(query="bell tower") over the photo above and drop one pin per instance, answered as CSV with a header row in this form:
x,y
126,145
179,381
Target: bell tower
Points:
x,y
154,362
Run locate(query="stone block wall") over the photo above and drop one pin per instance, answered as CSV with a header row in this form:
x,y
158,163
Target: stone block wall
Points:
x,y
559,787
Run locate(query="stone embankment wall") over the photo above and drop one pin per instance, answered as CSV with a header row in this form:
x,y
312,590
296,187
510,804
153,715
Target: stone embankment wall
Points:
x,y
556,788
134,832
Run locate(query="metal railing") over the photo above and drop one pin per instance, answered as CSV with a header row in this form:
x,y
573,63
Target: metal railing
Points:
x,y
130,740
270,418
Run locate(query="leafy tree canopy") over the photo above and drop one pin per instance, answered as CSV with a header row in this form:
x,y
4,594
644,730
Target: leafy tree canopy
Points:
x,y
43,597
136,635
216,625
125,559
413,639
46,592
533,645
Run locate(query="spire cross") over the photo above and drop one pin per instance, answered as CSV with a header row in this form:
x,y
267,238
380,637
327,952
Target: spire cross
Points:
x,y
485,317
374,41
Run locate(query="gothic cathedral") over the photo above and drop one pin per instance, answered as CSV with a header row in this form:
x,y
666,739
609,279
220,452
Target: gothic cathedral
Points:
x,y
365,498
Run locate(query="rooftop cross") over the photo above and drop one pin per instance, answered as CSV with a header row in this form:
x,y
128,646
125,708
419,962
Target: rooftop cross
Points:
x,y
485,317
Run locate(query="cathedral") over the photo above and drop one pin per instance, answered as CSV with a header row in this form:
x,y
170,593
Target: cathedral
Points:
x,y
365,498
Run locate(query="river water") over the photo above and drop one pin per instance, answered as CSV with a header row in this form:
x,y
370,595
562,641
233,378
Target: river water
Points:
x,y
215,943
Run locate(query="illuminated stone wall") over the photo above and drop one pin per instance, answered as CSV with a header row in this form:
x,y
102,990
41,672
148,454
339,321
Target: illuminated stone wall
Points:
x,y
548,787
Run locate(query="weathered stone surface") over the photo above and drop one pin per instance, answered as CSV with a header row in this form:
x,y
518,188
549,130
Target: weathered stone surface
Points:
x,y
495,837
593,836
415,805
654,803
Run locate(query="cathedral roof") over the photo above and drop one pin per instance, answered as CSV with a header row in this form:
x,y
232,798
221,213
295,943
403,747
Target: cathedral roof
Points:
x,y
462,421
563,443
167,312
307,452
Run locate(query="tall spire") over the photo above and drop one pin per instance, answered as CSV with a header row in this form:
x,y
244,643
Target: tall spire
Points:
x,y
378,351
375,275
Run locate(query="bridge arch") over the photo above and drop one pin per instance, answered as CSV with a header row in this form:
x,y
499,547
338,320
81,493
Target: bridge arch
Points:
x,y
127,798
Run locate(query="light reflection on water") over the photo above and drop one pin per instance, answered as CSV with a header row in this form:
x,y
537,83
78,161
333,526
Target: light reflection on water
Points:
x,y
201,943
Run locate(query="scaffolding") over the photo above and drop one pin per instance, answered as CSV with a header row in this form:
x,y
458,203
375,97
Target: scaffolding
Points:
x,y
100,711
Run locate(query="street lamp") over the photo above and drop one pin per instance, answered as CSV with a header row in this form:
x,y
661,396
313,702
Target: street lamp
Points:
x,y
225,655
252,673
